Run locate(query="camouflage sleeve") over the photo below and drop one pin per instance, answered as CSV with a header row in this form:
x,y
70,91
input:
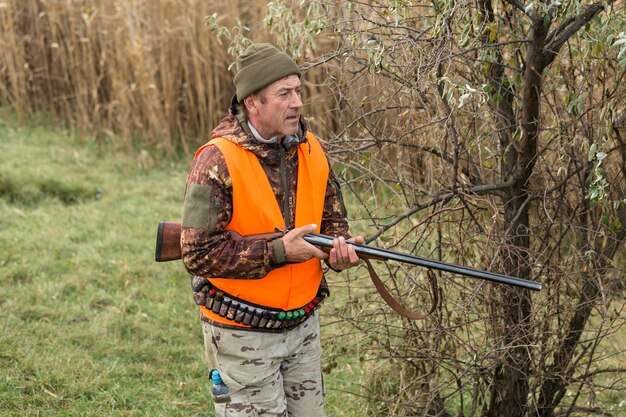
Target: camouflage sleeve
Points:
x,y
207,248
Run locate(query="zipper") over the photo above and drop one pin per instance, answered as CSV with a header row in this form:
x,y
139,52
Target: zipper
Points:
x,y
283,176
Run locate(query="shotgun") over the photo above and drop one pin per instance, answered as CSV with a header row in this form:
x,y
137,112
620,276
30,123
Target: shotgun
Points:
x,y
168,249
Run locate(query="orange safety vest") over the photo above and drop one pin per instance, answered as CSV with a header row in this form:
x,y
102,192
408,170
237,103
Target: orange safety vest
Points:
x,y
255,211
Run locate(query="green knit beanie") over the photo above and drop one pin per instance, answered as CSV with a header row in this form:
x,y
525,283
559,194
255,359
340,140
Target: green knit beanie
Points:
x,y
260,65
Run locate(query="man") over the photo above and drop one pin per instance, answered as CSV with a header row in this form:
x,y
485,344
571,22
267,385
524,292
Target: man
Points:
x,y
259,298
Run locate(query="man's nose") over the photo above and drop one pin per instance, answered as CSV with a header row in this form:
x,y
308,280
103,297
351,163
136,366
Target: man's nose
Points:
x,y
296,101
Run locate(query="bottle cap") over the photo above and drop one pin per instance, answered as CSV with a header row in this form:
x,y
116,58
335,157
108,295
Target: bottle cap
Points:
x,y
215,377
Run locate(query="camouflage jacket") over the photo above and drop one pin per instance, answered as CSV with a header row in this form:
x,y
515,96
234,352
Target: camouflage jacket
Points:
x,y
207,248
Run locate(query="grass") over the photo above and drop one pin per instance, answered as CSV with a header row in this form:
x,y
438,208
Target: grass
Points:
x,y
91,325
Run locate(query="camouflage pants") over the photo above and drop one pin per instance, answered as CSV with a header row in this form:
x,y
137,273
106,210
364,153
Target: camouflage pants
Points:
x,y
268,374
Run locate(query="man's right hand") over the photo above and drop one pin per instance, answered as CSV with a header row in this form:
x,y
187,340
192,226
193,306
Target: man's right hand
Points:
x,y
299,250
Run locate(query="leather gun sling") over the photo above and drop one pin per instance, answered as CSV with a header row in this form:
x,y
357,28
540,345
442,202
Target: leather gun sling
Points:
x,y
395,304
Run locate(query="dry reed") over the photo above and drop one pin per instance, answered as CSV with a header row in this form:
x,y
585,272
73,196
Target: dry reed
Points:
x,y
142,69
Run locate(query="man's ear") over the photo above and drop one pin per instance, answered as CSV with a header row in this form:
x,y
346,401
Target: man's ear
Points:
x,y
250,104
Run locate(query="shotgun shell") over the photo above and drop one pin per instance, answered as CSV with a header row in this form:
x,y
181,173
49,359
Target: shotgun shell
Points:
x,y
257,317
218,302
224,307
280,319
271,321
210,299
247,318
232,310
240,313
264,318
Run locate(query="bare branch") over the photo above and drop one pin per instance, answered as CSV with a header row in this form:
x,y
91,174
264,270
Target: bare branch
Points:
x,y
602,371
441,197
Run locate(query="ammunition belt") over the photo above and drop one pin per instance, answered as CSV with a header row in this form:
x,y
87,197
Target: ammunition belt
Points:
x,y
249,314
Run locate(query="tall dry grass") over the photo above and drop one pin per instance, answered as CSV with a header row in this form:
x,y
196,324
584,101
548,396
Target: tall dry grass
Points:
x,y
142,69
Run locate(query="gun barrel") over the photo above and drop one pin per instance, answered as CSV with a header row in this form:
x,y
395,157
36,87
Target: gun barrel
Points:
x,y
385,254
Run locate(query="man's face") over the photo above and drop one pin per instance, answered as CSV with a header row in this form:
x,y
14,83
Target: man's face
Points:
x,y
275,110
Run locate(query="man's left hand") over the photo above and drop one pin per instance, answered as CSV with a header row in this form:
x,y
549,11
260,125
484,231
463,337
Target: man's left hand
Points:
x,y
343,255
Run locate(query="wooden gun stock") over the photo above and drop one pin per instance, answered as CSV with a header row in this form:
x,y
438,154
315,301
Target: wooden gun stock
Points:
x,y
168,242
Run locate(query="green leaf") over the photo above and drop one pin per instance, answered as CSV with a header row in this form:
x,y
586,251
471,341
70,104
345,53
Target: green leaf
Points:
x,y
592,152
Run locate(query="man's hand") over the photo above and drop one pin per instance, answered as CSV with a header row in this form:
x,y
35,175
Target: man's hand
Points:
x,y
299,250
343,255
